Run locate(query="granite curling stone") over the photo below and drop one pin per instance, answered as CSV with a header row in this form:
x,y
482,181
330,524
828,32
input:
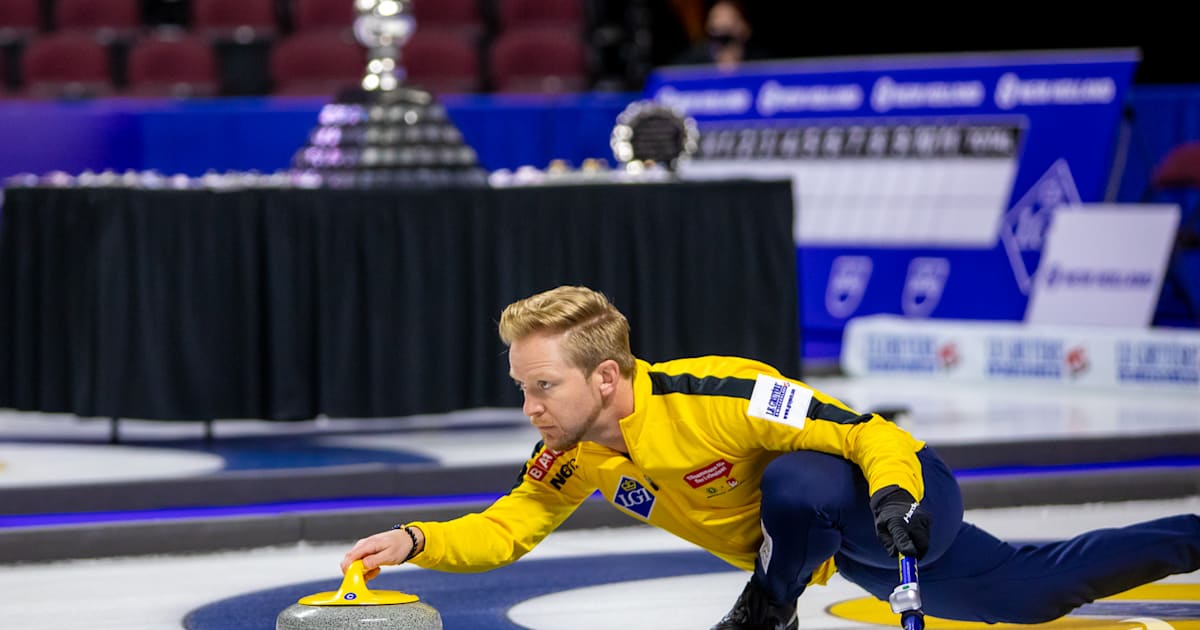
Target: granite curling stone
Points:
x,y
355,607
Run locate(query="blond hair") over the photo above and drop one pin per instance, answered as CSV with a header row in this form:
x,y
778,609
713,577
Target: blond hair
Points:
x,y
595,330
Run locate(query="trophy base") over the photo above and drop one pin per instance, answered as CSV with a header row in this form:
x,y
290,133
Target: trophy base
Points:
x,y
403,95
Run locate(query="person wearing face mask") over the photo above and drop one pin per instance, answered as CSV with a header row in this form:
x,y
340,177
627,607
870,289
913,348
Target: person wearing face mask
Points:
x,y
728,38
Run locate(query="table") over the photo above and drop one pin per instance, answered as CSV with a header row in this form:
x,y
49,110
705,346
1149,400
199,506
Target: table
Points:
x,y
289,304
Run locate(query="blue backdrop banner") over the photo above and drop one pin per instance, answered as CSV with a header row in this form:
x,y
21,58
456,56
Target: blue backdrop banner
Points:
x,y
242,134
923,184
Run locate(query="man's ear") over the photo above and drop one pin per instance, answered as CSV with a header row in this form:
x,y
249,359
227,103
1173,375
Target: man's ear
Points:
x,y
609,374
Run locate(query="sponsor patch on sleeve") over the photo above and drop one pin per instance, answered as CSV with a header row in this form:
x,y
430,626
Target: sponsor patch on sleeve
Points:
x,y
780,401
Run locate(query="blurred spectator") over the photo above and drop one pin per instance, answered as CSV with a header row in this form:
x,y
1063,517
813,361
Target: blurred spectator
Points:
x,y
727,38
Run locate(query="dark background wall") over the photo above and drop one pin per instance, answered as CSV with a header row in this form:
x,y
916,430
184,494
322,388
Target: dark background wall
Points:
x,y
788,28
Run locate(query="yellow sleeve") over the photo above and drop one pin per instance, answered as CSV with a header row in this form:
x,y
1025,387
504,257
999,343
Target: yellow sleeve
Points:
x,y
547,493
886,453
785,415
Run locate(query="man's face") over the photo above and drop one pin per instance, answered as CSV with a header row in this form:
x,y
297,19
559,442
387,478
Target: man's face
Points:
x,y
725,25
560,401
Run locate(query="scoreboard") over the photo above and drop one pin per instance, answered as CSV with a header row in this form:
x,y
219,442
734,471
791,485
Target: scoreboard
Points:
x,y
877,182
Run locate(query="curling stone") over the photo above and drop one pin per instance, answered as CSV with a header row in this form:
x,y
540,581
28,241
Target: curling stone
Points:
x,y
355,607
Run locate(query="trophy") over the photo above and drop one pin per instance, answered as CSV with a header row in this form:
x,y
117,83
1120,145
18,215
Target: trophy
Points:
x,y
383,26
387,134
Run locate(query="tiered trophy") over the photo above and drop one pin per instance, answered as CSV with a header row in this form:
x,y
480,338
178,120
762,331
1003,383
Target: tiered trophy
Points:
x,y
385,133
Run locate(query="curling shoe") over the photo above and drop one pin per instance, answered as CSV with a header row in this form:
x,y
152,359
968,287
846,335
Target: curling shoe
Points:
x,y
754,610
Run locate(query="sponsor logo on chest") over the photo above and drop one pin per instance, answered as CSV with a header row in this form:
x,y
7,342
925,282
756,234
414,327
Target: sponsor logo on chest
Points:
x,y
540,469
709,473
714,472
633,496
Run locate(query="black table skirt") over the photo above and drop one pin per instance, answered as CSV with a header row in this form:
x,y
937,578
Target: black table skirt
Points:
x,y
289,304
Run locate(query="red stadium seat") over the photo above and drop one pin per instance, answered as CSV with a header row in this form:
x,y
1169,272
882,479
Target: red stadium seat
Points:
x,y
457,15
66,65
172,66
240,20
538,59
441,61
108,20
564,14
19,20
316,63
308,15
1180,167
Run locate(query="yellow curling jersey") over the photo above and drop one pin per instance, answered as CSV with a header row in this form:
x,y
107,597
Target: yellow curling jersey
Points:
x,y
702,431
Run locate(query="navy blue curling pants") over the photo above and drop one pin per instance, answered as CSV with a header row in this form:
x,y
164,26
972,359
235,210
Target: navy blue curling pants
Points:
x,y
815,506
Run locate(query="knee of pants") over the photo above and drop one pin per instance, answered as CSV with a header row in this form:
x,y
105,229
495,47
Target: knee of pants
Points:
x,y
807,481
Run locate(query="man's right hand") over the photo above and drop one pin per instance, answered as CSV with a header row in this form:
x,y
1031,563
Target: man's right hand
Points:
x,y
384,548
900,523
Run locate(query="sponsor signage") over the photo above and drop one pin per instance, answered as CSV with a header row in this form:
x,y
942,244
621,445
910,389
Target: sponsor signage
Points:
x,y
1010,352
924,185
1103,265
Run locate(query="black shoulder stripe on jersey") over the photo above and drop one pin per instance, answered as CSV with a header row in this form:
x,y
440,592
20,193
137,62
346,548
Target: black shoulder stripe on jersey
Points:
x,y
663,383
818,410
525,467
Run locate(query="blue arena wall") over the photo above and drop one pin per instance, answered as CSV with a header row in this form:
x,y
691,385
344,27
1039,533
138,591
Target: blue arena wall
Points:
x,y
192,137
262,134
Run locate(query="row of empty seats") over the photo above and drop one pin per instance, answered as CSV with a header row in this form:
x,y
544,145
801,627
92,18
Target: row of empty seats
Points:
x,y
21,18
97,49
67,65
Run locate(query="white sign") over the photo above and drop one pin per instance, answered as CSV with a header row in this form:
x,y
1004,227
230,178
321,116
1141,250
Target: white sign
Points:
x,y
1103,265
1162,359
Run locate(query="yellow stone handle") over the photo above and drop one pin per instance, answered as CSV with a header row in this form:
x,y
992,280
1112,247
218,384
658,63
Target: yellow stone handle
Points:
x,y
354,592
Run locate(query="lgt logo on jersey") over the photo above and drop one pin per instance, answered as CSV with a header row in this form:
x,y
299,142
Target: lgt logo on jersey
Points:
x,y
633,496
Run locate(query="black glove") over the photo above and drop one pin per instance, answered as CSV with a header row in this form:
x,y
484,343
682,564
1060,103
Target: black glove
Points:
x,y
900,523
